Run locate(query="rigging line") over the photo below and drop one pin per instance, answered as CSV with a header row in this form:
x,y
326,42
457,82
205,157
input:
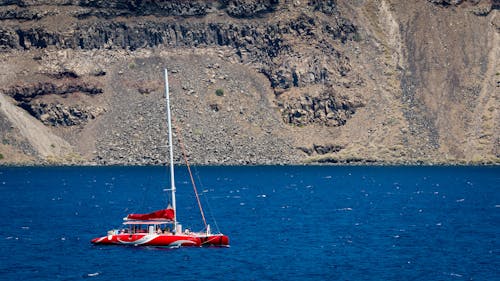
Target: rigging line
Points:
x,y
167,188
207,202
184,154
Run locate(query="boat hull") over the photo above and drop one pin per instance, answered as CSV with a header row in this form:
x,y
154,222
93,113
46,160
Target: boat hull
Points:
x,y
163,240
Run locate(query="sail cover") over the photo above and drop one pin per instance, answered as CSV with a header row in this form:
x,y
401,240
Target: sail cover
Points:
x,y
165,214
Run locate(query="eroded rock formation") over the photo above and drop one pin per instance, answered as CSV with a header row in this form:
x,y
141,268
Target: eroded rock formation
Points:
x,y
322,81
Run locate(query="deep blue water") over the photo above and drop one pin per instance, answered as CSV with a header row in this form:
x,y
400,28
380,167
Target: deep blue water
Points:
x,y
284,223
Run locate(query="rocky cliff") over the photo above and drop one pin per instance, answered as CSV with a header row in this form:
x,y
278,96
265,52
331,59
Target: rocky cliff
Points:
x,y
252,82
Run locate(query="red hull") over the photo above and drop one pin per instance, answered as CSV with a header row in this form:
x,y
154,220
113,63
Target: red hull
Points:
x,y
163,240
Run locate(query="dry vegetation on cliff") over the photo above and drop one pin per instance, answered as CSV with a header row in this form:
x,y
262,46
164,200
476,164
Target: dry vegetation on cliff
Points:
x,y
298,81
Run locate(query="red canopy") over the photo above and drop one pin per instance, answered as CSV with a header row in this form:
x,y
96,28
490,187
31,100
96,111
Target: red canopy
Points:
x,y
165,214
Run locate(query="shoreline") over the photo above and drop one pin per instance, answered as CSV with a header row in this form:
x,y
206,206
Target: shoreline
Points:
x,y
364,164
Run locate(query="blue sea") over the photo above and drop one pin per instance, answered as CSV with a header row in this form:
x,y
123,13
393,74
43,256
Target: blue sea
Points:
x,y
284,223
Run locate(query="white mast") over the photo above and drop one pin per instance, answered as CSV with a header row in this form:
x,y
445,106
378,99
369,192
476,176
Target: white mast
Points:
x,y
171,150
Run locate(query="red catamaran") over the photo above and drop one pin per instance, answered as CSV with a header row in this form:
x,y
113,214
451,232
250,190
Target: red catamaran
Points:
x,y
161,227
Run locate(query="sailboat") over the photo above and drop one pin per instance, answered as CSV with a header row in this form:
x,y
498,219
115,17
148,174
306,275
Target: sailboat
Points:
x,y
161,228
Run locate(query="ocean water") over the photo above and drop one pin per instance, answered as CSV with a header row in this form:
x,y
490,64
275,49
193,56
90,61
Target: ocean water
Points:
x,y
284,223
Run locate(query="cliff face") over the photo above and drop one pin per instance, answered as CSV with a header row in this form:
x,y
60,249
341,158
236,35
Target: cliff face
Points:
x,y
298,81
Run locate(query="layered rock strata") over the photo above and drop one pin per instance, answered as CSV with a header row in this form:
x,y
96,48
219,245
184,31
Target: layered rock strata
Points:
x,y
258,81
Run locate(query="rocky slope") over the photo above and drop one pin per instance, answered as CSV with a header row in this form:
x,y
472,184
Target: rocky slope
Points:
x,y
252,82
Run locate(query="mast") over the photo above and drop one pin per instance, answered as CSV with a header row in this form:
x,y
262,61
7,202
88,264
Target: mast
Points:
x,y
171,150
